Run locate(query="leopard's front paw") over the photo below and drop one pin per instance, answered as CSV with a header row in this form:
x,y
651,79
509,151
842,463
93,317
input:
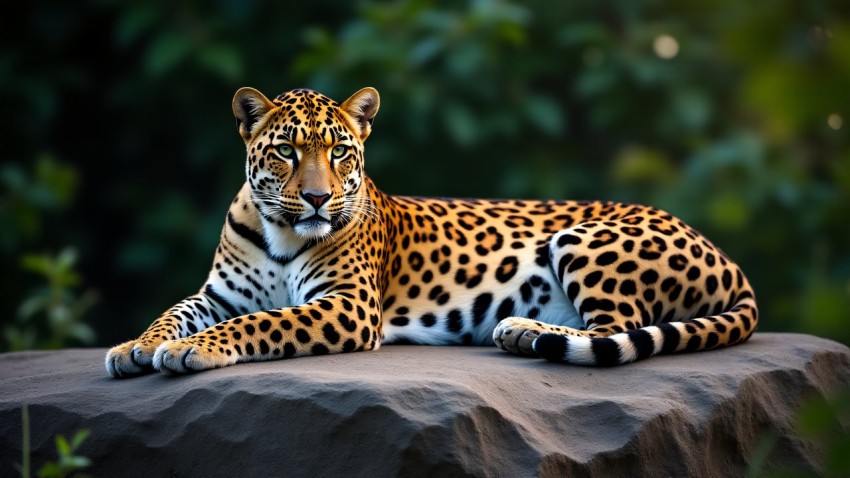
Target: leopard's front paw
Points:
x,y
130,359
516,335
175,357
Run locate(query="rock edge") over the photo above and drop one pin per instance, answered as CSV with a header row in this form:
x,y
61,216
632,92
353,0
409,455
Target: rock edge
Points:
x,y
428,411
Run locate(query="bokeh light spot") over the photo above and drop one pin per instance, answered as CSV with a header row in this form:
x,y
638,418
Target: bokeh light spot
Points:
x,y
665,46
835,121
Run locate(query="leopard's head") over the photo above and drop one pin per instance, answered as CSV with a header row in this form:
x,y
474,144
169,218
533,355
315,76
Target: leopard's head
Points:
x,y
305,157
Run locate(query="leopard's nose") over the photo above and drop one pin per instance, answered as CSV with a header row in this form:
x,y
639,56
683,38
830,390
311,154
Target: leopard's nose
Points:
x,y
317,199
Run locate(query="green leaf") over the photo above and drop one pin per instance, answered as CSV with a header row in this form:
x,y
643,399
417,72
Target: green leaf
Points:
x,y
38,263
136,19
728,210
79,438
59,316
78,462
62,446
815,417
595,82
51,470
639,164
579,34
460,123
166,52
692,108
20,338
825,304
59,179
545,114
66,259
223,60
425,50
838,457
82,332
33,305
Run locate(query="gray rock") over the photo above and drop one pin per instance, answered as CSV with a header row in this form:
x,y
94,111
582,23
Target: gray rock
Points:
x,y
428,411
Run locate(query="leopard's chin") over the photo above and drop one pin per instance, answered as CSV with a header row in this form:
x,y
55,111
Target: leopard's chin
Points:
x,y
313,228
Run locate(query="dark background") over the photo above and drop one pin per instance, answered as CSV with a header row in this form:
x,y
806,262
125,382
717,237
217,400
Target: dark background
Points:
x,y
120,155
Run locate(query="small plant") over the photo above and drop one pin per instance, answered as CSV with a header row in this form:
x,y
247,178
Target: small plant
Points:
x,y
69,463
32,198
51,316
24,468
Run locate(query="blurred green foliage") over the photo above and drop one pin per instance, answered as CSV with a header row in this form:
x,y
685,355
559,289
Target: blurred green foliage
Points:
x,y
732,115
824,420
821,420
51,317
69,463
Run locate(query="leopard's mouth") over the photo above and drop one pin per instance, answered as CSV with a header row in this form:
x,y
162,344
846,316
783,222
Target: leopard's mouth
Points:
x,y
316,226
315,220
296,219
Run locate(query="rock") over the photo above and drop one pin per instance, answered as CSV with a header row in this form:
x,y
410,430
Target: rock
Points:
x,y
427,411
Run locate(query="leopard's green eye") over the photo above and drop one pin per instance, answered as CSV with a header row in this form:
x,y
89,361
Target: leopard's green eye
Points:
x,y
286,151
338,152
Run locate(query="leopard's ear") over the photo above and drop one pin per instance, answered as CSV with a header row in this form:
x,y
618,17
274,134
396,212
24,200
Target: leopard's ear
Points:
x,y
249,106
362,108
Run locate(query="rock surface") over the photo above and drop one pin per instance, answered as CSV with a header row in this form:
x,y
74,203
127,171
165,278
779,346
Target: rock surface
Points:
x,y
427,411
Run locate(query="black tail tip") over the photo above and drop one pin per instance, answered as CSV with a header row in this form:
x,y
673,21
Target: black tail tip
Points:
x,y
552,347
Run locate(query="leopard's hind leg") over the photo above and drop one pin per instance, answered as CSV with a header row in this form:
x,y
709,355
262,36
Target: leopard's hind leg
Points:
x,y
643,285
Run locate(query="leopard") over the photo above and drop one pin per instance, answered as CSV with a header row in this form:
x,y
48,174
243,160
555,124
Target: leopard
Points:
x,y
314,259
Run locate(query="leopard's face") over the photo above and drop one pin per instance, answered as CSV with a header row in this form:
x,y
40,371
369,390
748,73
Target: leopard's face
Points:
x,y
305,157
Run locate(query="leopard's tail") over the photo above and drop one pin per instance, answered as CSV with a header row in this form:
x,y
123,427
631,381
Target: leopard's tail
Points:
x,y
734,326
